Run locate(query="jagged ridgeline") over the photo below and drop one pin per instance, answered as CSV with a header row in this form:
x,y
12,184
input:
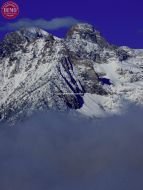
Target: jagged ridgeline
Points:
x,y
39,71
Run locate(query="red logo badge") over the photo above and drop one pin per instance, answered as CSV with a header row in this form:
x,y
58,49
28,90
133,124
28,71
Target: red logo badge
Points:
x,y
10,10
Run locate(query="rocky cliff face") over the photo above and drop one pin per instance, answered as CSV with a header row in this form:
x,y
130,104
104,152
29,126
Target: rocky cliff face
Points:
x,y
39,71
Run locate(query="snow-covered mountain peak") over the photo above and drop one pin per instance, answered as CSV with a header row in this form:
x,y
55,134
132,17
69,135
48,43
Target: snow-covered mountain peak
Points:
x,y
34,32
18,40
86,33
83,31
39,71
82,27
29,33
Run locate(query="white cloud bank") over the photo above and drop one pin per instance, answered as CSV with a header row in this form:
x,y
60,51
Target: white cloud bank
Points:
x,y
53,24
58,152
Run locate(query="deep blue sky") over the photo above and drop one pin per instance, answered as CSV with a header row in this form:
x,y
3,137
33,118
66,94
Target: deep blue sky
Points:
x,y
121,22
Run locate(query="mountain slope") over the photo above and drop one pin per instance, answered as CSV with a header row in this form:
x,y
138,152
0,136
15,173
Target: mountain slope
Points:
x,y
39,71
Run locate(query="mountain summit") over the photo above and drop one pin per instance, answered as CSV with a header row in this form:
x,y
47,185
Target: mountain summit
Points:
x,y
83,72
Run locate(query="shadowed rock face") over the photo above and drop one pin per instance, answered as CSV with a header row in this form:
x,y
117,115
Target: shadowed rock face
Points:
x,y
88,33
84,31
39,71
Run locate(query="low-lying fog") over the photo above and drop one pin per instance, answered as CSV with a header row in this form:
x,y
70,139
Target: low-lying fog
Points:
x,y
58,152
